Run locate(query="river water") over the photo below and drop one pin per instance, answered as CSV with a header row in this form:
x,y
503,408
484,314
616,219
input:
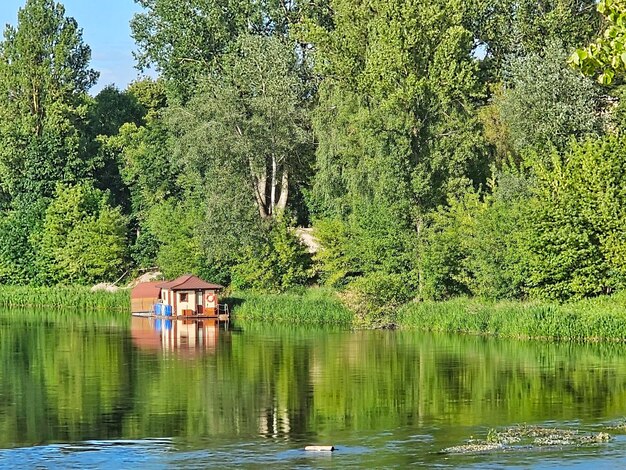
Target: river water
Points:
x,y
78,391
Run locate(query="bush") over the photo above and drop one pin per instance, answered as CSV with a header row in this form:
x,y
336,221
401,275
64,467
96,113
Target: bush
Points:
x,y
475,247
83,239
278,263
376,297
576,236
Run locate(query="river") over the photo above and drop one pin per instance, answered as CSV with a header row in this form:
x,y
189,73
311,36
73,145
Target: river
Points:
x,y
78,391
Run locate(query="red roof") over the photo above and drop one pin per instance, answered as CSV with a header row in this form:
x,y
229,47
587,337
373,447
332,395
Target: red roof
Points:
x,y
189,282
146,290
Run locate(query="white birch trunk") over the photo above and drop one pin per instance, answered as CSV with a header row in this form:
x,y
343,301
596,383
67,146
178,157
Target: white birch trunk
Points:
x,y
284,191
273,188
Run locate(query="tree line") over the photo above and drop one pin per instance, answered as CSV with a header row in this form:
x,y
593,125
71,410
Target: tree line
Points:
x,y
437,147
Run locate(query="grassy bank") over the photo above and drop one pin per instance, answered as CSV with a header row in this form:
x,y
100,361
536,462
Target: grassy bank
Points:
x,y
306,307
602,318
74,298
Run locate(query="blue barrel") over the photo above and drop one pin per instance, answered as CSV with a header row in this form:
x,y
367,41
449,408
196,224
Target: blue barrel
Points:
x,y
168,310
158,309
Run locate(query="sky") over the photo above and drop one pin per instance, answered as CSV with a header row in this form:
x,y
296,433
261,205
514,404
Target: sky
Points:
x,y
106,30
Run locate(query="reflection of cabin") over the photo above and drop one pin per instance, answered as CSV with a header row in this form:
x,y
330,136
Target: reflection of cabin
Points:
x,y
189,295
143,297
182,335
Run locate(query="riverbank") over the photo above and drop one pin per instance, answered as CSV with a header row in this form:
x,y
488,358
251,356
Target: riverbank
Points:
x,y
64,297
313,306
601,318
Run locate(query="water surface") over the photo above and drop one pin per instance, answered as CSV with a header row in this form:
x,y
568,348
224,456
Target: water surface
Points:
x,y
82,391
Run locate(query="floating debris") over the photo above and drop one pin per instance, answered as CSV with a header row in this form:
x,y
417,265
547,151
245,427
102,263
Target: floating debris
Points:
x,y
319,448
528,437
620,426
473,448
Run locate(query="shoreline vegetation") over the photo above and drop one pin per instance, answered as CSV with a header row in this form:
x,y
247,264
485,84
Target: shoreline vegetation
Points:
x,y
300,307
598,319
64,298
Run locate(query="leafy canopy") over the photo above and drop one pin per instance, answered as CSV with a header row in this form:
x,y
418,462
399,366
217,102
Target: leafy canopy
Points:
x,y
605,58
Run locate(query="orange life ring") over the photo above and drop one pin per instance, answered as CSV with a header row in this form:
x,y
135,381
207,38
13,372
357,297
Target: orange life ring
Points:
x,y
210,298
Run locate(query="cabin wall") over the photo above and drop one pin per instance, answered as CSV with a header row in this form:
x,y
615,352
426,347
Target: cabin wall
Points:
x,y
196,301
210,307
142,305
189,304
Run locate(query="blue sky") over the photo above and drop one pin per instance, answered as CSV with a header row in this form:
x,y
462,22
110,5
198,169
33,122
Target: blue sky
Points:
x,y
106,29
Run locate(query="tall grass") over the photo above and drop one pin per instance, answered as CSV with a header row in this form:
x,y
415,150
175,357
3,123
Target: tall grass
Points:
x,y
602,318
307,307
75,298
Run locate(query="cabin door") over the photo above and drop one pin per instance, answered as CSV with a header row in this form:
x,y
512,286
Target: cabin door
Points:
x,y
199,305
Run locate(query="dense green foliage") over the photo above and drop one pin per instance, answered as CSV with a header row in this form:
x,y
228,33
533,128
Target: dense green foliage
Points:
x,y
437,148
558,236
606,56
83,238
546,103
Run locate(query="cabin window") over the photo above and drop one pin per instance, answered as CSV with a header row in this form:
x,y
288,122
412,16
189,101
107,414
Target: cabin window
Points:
x,y
183,297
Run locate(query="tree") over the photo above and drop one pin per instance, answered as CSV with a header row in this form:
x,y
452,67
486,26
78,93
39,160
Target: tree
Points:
x,y
474,245
185,40
252,119
109,110
175,225
44,75
575,237
506,28
279,262
545,102
396,125
18,253
112,108
606,56
140,151
83,238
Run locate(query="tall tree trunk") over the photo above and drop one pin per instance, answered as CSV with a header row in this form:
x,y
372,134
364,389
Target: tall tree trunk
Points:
x,y
259,186
273,188
284,191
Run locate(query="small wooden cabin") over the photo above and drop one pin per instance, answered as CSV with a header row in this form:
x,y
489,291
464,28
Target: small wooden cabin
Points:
x,y
143,297
191,296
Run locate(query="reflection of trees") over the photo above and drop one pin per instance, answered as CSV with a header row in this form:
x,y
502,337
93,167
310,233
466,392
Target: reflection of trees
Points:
x,y
61,383
76,381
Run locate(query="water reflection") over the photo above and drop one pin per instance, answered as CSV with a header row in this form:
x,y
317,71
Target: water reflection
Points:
x,y
404,394
175,334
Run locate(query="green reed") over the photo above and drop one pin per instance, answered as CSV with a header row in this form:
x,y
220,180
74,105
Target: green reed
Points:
x,y
74,297
602,318
305,307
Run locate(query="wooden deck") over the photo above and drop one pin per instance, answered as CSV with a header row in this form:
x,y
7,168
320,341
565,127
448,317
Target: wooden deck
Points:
x,y
222,315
